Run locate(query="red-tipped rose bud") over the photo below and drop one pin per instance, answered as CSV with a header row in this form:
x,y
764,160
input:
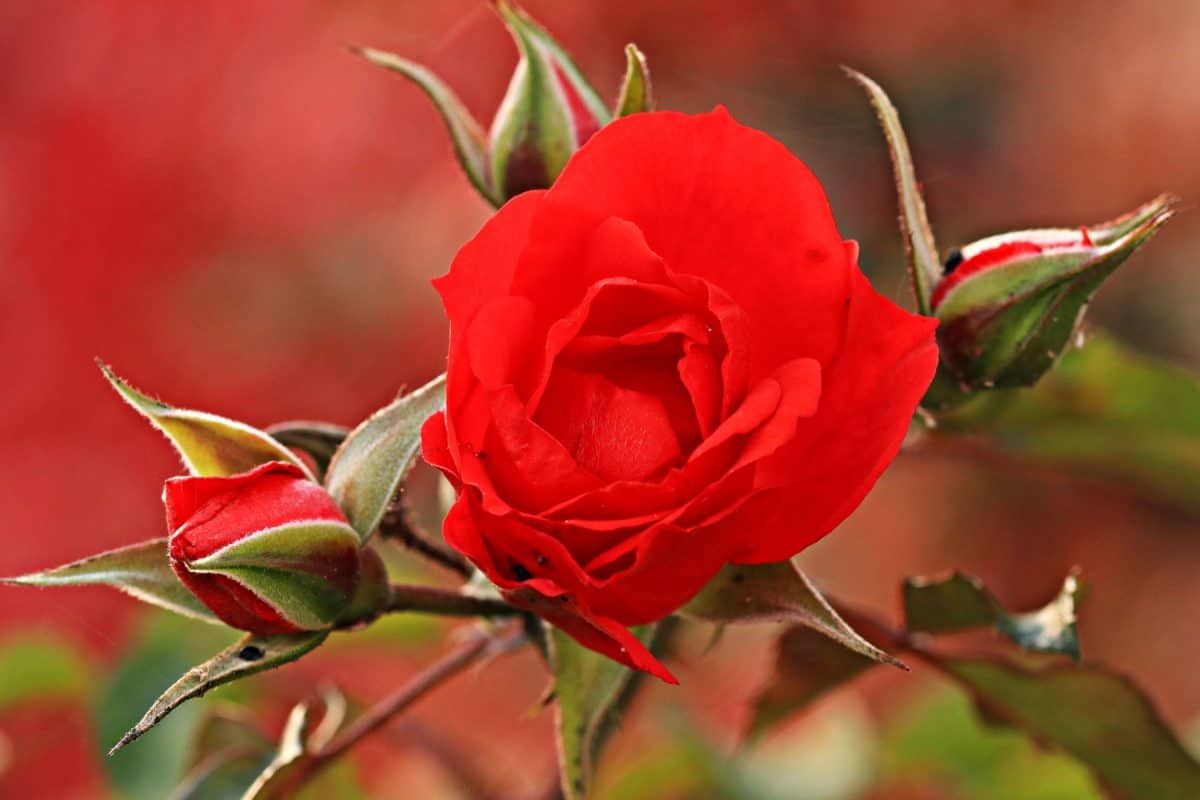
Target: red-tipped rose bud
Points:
x,y
1009,304
268,551
547,113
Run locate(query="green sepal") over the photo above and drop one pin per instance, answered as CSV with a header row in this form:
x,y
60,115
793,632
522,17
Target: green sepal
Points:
x,y
777,592
534,132
591,691
320,440
209,445
368,467
637,93
925,268
466,134
141,570
247,656
286,567
961,602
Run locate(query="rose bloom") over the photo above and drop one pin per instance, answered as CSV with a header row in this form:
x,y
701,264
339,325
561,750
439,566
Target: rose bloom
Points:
x,y
667,362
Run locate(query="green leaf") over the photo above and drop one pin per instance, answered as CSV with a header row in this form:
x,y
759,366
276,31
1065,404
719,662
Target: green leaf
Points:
x,y
207,443
925,267
777,592
1104,411
1099,717
319,439
165,647
35,666
961,602
227,754
470,143
245,657
368,467
938,735
141,570
808,663
591,692
637,93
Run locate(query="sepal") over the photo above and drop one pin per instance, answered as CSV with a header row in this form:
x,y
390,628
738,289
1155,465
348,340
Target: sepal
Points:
x,y
140,570
207,443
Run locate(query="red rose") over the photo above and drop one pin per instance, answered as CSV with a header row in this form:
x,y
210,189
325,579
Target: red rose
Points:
x,y
268,551
667,362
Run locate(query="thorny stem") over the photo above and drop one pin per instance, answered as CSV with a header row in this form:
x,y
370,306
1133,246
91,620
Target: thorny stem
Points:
x,y
397,525
383,712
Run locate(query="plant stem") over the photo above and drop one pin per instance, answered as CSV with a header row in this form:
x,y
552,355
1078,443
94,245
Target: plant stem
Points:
x,y
449,602
397,525
383,712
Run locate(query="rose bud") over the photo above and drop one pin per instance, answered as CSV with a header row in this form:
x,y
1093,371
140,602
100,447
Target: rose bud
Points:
x,y
1010,304
667,362
547,113
268,551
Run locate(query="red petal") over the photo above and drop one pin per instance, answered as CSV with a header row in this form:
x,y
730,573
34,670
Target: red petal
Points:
x,y
870,391
722,201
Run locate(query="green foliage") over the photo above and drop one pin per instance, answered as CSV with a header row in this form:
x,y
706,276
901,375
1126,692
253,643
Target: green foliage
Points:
x,y
925,268
34,666
167,647
960,602
248,655
1104,411
375,457
939,739
637,94
320,440
777,592
141,570
591,692
207,443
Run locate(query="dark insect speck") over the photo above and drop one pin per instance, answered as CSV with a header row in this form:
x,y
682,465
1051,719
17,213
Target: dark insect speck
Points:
x,y
250,653
520,573
952,261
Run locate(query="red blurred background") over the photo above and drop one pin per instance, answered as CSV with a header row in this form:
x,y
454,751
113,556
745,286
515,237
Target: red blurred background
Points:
x,y
240,216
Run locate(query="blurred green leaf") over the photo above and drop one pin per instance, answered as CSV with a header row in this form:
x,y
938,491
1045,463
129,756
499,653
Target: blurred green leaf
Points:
x,y
167,647
375,457
777,592
227,754
247,656
960,602
1103,411
807,665
207,443
141,570
938,736
35,666
1099,717
591,692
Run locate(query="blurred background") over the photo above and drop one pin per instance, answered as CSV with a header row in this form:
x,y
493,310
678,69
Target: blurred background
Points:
x,y
241,217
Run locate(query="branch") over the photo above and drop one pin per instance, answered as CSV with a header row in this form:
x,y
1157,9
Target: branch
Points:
x,y
449,602
397,525
383,712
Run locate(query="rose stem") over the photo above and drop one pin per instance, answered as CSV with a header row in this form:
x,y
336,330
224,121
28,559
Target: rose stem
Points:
x,y
448,602
398,526
379,715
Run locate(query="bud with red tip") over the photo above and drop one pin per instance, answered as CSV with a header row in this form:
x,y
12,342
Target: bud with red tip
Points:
x,y
547,113
267,551
1009,305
